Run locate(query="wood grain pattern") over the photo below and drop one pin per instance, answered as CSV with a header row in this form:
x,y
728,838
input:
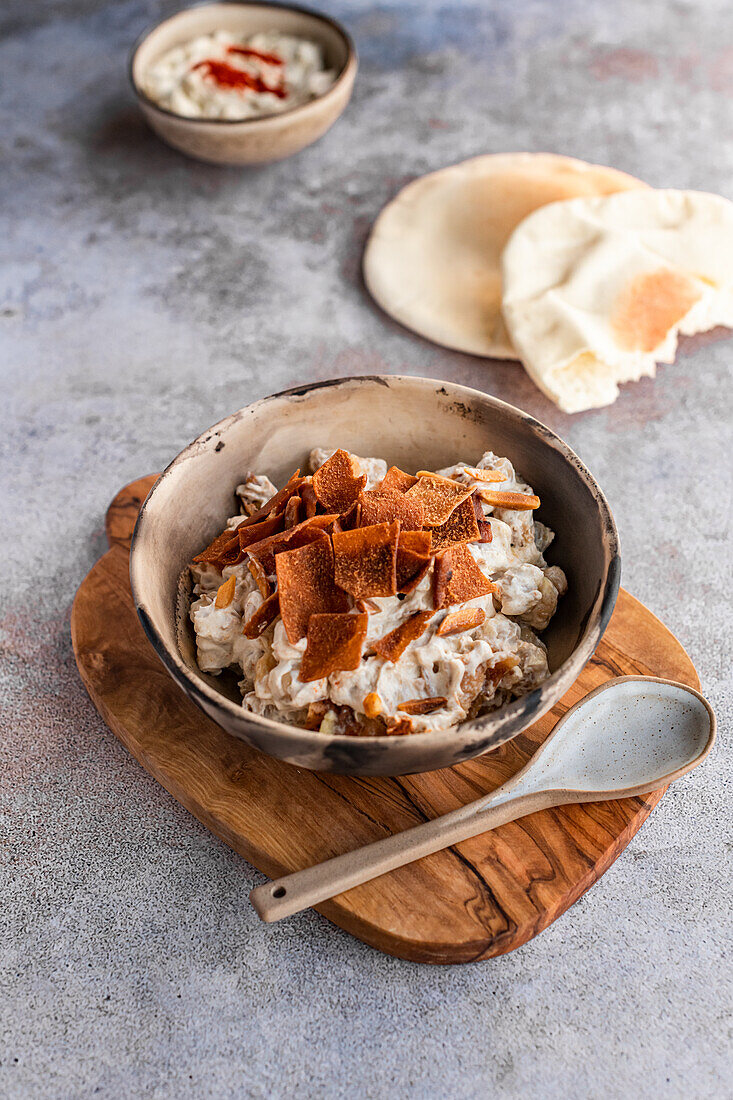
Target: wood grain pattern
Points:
x,y
122,512
481,898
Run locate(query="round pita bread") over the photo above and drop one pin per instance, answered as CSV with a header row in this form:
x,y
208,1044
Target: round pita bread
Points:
x,y
597,290
433,258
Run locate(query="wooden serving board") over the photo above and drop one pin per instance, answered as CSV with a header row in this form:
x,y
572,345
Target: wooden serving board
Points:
x,y
480,898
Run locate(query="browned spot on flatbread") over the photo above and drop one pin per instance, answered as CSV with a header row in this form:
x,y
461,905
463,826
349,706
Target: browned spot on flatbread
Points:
x,y
649,306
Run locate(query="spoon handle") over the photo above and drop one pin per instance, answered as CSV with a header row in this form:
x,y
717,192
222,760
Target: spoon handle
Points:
x,y
292,893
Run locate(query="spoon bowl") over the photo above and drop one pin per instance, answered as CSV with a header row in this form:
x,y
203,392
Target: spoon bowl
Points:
x,y
630,736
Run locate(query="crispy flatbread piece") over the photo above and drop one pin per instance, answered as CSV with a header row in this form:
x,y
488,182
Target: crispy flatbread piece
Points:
x,y
433,260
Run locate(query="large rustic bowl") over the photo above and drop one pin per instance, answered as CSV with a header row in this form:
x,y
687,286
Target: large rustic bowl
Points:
x,y
249,140
415,423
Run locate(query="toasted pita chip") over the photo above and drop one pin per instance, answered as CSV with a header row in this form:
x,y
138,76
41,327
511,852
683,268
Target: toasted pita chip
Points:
x,y
306,586
393,645
455,622
520,502
423,706
485,533
335,644
397,481
262,530
308,496
413,559
276,503
259,576
366,560
225,592
266,613
224,550
417,542
457,578
338,482
439,497
378,506
461,526
307,531
350,519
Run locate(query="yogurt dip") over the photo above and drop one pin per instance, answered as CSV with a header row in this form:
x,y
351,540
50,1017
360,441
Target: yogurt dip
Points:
x,y
449,674
221,76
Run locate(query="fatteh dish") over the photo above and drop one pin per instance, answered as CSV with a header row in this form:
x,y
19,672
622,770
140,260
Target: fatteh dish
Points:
x,y
367,601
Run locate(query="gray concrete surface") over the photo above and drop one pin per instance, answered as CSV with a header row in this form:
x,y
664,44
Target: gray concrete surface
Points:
x,y
143,297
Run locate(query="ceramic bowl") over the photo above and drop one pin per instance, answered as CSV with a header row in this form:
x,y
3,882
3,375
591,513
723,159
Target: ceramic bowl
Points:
x,y
253,140
415,423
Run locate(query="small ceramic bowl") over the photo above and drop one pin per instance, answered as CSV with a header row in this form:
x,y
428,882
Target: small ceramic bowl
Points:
x,y
415,423
252,140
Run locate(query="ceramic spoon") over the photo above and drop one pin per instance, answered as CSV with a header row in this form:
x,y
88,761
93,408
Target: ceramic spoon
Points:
x,y
628,737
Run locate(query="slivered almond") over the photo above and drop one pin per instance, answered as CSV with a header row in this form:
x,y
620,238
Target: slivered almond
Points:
x,y
225,593
423,706
259,576
521,502
369,606
372,705
457,621
484,475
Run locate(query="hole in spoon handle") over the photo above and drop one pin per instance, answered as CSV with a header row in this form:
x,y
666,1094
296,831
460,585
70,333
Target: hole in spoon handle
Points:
x,y
303,889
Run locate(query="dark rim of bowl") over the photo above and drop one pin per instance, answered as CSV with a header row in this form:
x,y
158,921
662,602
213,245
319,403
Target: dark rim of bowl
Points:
x,y
530,703
351,58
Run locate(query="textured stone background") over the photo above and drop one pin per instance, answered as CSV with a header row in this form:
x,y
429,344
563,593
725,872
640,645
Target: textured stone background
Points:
x,y
142,297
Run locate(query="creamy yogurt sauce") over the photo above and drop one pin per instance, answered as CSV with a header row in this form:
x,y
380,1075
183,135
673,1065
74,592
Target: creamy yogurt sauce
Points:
x,y
475,670
226,77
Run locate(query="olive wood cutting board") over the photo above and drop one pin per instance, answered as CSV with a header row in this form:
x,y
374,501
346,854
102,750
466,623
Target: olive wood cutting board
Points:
x,y
480,898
